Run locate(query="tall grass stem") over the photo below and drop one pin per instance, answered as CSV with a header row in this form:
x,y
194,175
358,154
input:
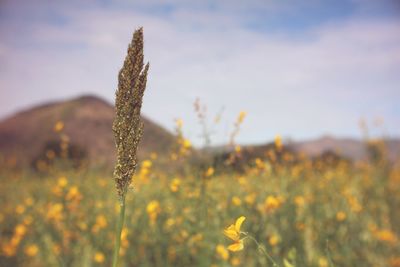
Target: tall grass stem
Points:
x,y
120,225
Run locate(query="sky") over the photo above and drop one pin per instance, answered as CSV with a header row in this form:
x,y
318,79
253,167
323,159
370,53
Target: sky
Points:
x,y
301,69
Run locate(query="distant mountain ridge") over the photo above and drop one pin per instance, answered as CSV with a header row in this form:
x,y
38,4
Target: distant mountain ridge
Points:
x,y
347,147
88,120
87,123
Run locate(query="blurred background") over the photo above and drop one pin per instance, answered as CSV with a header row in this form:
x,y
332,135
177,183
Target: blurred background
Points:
x,y
302,69
285,112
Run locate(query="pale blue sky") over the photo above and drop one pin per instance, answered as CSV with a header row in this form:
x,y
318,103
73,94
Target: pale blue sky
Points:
x,y
301,69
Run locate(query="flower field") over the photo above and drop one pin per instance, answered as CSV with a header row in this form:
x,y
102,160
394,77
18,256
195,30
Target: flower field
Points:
x,y
305,213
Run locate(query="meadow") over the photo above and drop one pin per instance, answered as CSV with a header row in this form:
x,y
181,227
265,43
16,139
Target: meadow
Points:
x,y
303,212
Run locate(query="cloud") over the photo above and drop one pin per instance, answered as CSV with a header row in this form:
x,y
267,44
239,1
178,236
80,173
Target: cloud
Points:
x,y
321,80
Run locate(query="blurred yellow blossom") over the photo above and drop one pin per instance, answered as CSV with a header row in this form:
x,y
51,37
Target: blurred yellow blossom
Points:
x,y
386,235
273,240
62,181
241,117
99,257
278,142
236,201
271,203
209,172
20,209
340,216
58,126
153,209
31,250
222,252
323,262
174,185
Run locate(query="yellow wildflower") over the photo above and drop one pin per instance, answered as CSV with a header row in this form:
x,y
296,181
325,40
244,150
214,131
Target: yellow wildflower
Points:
x,y
73,193
386,236
238,148
340,216
99,257
179,123
209,172
101,221
153,209
174,185
273,240
31,250
187,144
299,201
29,201
233,232
250,198
62,182
278,142
241,117
271,203
55,212
147,164
235,261
236,201
59,126
323,262
20,209
20,230
222,252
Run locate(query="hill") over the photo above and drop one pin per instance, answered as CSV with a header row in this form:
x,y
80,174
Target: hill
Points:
x,y
347,147
87,123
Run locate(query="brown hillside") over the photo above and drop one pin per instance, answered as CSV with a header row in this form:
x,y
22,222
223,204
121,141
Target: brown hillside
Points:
x,y
347,147
87,121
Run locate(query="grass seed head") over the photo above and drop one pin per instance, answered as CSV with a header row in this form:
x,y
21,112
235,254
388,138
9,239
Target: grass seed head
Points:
x,y
127,126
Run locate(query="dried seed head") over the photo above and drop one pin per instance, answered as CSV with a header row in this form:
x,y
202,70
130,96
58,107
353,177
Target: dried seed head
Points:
x,y
127,125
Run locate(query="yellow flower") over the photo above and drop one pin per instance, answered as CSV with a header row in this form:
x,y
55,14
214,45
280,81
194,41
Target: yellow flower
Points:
x,y
250,199
153,209
179,123
222,252
147,164
174,186
62,181
273,240
236,201
58,126
29,201
31,250
55,212
299,201
241,117
20,230
233,232
272,203
386,236
278,142
238,149
209,172
235,261
340,216
187,144
73,193
20,209
99,257
323,262
101,221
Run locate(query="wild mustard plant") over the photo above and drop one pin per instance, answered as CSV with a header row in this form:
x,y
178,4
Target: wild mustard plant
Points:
x,y
238,237
127,126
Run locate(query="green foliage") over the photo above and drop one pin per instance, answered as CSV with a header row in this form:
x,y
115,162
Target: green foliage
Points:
x,y
292,211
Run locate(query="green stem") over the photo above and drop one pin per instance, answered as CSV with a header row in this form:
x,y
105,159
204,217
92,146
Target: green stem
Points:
x,y
120,225
261,248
